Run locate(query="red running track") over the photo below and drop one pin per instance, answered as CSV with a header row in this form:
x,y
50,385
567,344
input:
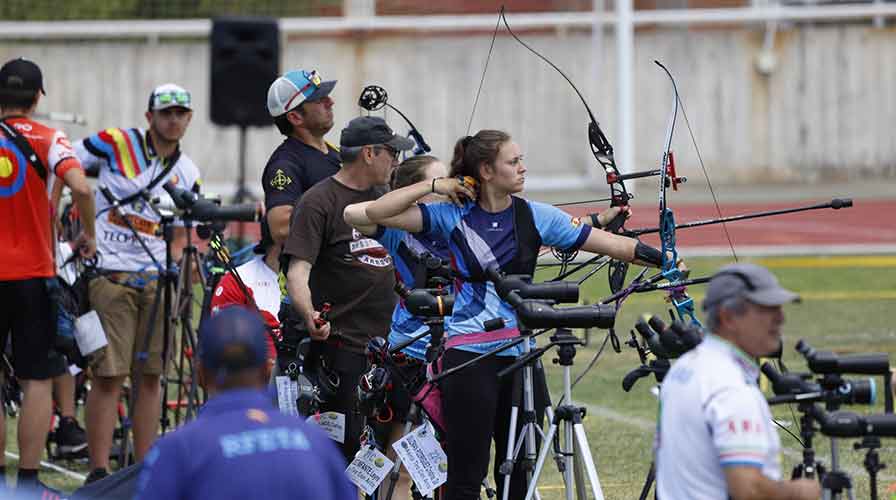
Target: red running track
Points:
x,y
867,222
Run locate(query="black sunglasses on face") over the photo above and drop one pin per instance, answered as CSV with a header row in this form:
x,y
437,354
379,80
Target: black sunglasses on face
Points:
x,y
389,149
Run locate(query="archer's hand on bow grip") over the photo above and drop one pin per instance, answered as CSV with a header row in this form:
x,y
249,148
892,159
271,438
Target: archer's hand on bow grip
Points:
x,y
615,224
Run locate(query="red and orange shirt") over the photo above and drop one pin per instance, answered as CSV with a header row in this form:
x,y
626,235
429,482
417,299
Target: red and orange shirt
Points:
x,y
25,223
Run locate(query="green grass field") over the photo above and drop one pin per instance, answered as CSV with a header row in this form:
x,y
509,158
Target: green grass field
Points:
x,y
847,307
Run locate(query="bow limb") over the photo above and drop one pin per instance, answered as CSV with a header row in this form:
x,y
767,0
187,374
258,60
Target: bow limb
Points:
x,y
600,148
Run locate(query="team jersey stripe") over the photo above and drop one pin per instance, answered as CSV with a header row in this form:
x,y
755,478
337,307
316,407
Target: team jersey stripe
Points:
x,y
124,149
139,149
112,137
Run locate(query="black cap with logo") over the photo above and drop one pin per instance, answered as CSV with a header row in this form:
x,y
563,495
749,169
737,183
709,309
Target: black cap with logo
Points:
x,y
21,78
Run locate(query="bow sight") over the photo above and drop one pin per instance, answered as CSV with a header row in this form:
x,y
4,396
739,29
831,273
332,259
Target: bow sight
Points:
x,y
374,97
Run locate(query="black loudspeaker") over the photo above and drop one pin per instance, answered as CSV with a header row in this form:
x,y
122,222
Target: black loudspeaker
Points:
x,y
245,61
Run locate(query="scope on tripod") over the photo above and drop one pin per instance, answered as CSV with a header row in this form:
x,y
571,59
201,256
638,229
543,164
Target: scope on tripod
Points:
x,y
425,302
517,286
827,362
198,208
667,342
846,424
538,314
834,390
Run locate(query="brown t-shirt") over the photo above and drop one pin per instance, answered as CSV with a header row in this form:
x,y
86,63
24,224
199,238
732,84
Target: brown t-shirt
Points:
x,y
352,272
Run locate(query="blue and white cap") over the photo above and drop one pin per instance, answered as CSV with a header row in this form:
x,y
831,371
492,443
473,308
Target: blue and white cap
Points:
x,y
294,88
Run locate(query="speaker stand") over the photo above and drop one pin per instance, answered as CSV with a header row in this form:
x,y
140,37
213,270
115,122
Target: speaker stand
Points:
x,y
241,192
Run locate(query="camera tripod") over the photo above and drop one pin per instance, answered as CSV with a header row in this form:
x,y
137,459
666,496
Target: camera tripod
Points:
x,y
173,299
531,430
179,306
574,459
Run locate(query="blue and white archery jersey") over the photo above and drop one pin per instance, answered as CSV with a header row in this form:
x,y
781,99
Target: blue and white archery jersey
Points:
x,y
482,239
406,248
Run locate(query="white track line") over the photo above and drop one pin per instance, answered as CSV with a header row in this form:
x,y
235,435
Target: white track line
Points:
x,y
48,465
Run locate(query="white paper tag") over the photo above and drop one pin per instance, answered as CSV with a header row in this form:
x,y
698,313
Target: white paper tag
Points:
x,y
89,333
333,423
424,459
287,392
73,370
369,469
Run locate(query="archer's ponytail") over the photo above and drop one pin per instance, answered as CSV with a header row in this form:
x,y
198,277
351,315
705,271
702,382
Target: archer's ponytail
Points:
x,y
472,151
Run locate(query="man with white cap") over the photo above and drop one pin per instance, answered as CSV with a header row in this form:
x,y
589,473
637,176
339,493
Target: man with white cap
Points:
x,y
300,103
716,438
133,165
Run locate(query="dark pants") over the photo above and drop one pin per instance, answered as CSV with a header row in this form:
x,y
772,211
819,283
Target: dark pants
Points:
x,y
350,367
28,312
476,405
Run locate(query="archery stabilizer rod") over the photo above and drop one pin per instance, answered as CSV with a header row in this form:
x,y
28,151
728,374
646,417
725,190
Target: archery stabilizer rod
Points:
x,y
836,204
652,284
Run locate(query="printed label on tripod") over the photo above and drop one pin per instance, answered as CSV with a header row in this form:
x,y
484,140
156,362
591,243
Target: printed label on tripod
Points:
x,y
333,424
423,458
287,393
89,333
369,469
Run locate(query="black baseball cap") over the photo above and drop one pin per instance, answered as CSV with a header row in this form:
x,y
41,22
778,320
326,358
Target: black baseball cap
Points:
x,y
369,130
21,78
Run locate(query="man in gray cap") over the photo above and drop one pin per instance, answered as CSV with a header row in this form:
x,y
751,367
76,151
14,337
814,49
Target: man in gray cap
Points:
x,y
715,437
331,262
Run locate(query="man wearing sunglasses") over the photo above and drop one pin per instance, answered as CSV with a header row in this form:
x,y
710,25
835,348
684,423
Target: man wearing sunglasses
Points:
x,y
331,262
300,103
126,161
302,108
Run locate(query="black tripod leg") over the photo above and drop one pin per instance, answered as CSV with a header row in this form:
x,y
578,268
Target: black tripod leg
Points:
x,y
648,482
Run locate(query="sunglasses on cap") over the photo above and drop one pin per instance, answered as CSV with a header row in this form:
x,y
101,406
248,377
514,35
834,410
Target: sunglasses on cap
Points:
x,y
165,98
313,81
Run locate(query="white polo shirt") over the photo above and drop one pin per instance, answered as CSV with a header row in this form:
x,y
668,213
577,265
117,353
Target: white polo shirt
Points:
x,y
712,416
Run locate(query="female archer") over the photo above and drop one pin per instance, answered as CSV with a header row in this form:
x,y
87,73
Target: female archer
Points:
x,y
488,228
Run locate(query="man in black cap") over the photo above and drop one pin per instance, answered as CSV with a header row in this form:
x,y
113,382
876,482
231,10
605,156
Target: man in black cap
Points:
x,y
240,445
331,262
31,154
715,437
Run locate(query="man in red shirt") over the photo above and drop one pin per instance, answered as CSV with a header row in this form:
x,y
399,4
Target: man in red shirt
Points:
x,y
262,285
29,153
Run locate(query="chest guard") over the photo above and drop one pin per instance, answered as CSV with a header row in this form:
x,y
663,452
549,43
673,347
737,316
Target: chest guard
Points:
x,y
528,244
